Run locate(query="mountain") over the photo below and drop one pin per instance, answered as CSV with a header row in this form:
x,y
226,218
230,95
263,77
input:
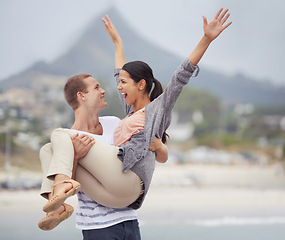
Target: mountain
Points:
x,y
93,52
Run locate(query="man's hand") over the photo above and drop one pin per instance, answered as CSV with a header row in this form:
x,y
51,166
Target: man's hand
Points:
x,y
81,144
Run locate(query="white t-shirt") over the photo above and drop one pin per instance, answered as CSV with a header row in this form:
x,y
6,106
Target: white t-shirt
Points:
x,y
90,214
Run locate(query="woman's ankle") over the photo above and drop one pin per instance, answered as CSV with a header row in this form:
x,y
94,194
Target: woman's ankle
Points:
x,y
59,185
60,178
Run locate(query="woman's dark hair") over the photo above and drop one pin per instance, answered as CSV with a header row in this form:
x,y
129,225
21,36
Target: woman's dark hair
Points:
x,y
139,70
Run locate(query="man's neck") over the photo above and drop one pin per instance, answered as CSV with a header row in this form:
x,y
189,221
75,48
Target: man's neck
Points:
x,y
87,123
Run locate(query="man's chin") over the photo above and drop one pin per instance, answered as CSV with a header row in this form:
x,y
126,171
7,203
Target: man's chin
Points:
x,y
102,107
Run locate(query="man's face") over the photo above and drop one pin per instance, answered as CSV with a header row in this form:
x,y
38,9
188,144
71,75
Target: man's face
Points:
x,y
95,94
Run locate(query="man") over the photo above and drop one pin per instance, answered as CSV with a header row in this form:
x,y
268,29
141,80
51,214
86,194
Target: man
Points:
x,y
84,94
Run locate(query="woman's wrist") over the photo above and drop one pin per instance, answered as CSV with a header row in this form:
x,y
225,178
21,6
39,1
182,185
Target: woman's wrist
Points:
x,y
118,42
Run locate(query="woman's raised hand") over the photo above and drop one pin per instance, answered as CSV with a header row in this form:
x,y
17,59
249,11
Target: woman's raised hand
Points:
x,y
110,28
213,29
119,51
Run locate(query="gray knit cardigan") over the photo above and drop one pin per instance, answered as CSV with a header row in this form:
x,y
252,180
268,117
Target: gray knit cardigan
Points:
x,y
135,154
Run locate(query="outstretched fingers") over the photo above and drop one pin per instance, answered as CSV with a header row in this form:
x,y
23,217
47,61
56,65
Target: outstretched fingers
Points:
x,y
105,22
222,17
223,13
224,20
218,14
110,28
108,23
108,19
228,24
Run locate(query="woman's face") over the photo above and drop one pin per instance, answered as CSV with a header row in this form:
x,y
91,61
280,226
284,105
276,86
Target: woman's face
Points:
x,y
129,88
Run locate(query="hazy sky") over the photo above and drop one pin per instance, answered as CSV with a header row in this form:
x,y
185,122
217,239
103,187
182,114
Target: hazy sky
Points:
x,y
33,30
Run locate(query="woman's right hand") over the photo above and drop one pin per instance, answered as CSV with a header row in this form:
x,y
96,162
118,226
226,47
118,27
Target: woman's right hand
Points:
x,y
110,28
119,51
160,149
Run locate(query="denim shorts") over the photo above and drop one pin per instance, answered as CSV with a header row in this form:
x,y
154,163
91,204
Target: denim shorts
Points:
x,y
128,230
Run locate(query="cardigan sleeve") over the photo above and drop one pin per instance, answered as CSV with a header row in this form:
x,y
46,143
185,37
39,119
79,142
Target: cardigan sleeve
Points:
x,y
160,109
179,79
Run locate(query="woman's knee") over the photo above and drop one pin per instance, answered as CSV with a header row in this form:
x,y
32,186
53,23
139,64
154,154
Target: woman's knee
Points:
x,y
62,132
45,153
45,148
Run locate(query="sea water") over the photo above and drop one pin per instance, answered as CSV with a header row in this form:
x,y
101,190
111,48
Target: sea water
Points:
x,y
227,228
219,229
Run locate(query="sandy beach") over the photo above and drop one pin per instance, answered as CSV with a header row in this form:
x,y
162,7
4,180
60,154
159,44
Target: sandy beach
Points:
x,y
209,191
190,187
178,194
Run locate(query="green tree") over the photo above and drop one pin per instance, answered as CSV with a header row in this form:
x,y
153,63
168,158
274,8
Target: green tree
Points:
x,y
193,100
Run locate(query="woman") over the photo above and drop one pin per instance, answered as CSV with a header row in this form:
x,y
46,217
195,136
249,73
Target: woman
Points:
x,y
123,177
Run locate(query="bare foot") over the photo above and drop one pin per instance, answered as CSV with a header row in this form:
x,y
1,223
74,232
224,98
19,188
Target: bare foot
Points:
x,y
62,187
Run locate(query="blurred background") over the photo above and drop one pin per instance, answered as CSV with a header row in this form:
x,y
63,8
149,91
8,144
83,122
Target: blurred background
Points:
x,y
227,138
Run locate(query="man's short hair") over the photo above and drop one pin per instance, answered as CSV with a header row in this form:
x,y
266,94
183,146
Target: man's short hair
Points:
x,y
74,85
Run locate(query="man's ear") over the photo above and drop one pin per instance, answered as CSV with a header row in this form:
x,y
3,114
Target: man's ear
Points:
x,y
142,84
80,95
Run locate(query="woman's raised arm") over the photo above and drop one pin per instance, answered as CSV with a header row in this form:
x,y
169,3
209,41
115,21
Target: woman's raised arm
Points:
x,y
115,37
211,31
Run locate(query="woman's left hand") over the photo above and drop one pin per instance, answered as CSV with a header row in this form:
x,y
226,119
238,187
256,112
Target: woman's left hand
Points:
x,y
213,29
155,145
